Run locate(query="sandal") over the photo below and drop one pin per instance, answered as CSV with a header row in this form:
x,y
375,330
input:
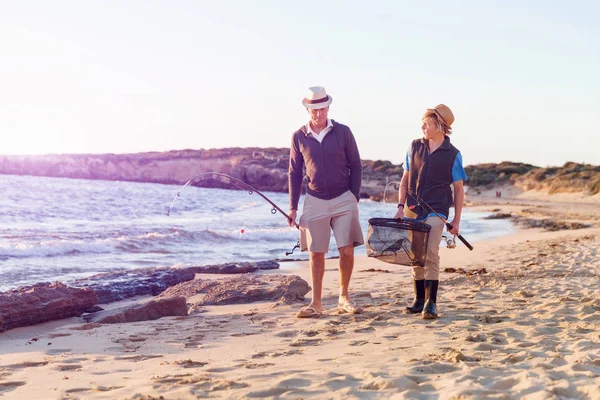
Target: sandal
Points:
x,y
350,307
308,312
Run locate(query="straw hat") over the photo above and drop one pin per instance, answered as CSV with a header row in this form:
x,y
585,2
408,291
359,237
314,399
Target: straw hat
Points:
x,y
317,98
444,112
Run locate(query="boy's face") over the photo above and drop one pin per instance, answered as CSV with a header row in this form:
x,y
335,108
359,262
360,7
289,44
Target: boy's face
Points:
x,y
430,129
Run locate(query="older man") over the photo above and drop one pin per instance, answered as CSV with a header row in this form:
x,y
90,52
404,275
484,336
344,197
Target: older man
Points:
x,y
328,151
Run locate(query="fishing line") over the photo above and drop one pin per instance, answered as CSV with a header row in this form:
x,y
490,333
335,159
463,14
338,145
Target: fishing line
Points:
x,y
230,180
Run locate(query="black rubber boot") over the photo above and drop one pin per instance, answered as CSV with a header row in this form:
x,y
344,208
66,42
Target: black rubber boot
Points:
x,y
430,310
419,301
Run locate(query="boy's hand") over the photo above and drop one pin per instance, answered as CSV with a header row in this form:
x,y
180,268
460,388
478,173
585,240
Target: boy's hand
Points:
x,y
455,226
400,213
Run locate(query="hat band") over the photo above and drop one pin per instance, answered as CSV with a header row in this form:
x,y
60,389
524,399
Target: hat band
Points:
x,y
323,100
439,115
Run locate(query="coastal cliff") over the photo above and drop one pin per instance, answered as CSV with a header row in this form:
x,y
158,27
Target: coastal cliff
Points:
x,y
266,169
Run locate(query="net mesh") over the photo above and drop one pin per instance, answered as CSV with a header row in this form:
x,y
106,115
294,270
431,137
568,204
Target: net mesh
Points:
x,y
398,241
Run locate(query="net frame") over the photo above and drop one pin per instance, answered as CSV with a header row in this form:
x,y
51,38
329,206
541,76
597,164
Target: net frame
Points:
x,y
398,241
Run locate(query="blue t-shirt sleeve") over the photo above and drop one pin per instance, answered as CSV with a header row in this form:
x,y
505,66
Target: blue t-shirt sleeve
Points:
x,y
407,159
458,172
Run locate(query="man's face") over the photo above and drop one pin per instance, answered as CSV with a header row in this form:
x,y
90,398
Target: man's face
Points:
x,y
318,117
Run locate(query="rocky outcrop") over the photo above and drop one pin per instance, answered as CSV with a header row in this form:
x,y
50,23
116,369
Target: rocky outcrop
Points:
x,y
570,178
43,302
234,268
243,289
114,286
151,310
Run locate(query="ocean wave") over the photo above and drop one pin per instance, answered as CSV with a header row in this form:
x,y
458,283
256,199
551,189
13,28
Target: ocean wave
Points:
x,y
52,248
150,242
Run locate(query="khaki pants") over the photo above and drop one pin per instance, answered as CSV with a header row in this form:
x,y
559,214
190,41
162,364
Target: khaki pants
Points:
x,y
431,271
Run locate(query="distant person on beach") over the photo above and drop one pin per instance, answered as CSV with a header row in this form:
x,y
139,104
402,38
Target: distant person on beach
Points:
x,y
329,153
432,164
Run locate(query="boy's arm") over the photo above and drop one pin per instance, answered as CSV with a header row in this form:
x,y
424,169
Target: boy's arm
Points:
x,y
459,198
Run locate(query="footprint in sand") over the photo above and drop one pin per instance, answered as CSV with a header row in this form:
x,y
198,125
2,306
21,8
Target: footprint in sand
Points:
x,y
138,358
26,364
310,332
58,334
364,330
73,360
55,352
77,390
86,327
332,331
189,363
256,365
219,370
287,334
305,342
487,319
264,354
204,383
273,392
476,338
69,367
8,386
358,342
242,334
106,388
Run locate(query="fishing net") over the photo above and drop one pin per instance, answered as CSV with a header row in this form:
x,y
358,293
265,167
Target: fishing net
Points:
x,y
398,241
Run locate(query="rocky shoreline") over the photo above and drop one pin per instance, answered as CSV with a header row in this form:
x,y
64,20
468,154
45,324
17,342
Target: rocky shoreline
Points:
x,y
41,302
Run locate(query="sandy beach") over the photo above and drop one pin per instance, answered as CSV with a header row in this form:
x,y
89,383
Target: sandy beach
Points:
x,y
527,328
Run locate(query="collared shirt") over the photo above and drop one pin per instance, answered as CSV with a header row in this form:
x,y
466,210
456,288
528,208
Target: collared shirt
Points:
x,y
319,136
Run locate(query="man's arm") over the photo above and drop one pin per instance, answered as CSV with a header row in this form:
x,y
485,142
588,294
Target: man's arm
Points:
x,y
354,164
295,178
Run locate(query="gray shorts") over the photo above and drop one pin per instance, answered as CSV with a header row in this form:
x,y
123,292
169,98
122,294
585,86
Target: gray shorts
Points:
x,y
319,217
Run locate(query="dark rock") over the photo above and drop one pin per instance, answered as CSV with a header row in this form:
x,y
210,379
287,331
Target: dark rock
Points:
x,y
94,309
154,309
548,224
243,289
42,302
498,216
115,286
234,268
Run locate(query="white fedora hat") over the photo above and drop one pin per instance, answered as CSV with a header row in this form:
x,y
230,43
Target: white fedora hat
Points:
x,y
317,98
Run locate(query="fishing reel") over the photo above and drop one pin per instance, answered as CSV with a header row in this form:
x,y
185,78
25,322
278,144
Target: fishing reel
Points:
x,y
450,241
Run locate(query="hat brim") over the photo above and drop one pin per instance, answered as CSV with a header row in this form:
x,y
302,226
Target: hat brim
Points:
x,y
317,106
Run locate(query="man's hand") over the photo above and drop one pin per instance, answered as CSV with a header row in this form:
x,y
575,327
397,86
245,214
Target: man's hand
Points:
x,y
455,226
292,220
400,213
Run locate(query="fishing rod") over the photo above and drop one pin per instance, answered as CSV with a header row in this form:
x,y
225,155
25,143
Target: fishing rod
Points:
x,y
422,202
224,178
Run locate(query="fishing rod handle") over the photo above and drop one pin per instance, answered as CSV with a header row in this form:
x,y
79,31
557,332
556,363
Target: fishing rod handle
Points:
x,y
462,239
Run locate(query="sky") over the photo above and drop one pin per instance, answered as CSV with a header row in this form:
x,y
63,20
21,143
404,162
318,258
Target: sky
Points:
x,y
125,76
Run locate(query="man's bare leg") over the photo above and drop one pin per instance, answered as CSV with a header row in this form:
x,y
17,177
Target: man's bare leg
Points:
x,y
317,271
346,267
